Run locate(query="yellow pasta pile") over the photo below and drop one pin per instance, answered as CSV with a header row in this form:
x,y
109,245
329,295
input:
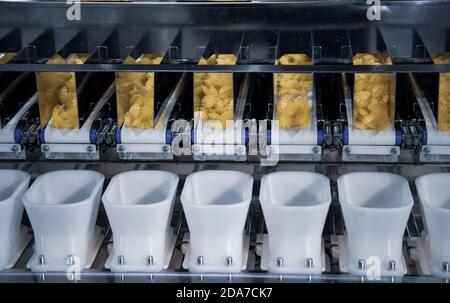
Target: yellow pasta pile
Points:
x,y
135,94
444,92
213,92
293,109
5,57
374,94
58,94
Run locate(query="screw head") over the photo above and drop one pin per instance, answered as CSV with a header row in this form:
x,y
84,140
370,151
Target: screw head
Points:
x,y
315,150
121,148
41,260
392,265
445,267
14,148
347,150
45,148
200,260
165,149
90,149
70,260
150,260
121,260
229,261
394,151
280,262
426,150
361,264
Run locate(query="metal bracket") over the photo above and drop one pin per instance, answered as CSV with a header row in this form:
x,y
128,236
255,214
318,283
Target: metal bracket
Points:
x,y
12,151
133,151
225,152
370,153
294,152
70,151
434,153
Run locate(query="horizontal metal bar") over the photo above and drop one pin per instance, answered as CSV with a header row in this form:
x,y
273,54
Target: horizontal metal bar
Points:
x,y
95,275
253,68
224,3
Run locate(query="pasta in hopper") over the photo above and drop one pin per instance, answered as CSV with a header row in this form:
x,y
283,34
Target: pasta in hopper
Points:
x,y
213,92
5,57
293,109
374,94
444,93
58,94
135,94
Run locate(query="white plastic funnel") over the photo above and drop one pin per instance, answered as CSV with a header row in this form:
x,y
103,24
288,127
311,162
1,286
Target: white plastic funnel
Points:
x,y
376,207
139,206
13,185
434,195
216,204
295,207
62,207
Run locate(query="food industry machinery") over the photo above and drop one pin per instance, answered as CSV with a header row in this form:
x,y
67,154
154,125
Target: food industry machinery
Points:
x,y
327,127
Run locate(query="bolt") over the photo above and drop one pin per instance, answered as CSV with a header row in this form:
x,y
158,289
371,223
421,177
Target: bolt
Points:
x,y
45,148
229,261
121,260
445,267
150,260
426,150
121,148
392,265
90,149
315,150
200,260
361,264
165,149
14,148
41,260
70,260
347,150
309,263
394,151
280,262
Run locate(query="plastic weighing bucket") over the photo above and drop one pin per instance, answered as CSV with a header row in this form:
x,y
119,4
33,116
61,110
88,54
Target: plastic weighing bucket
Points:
x,y
376,207
216,204
434,195
13,185
62,207
139,206
295,207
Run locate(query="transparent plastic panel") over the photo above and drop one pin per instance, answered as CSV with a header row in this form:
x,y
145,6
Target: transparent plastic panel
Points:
x,y
57,92
135,94
444,92
213,92
374,94
292,93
